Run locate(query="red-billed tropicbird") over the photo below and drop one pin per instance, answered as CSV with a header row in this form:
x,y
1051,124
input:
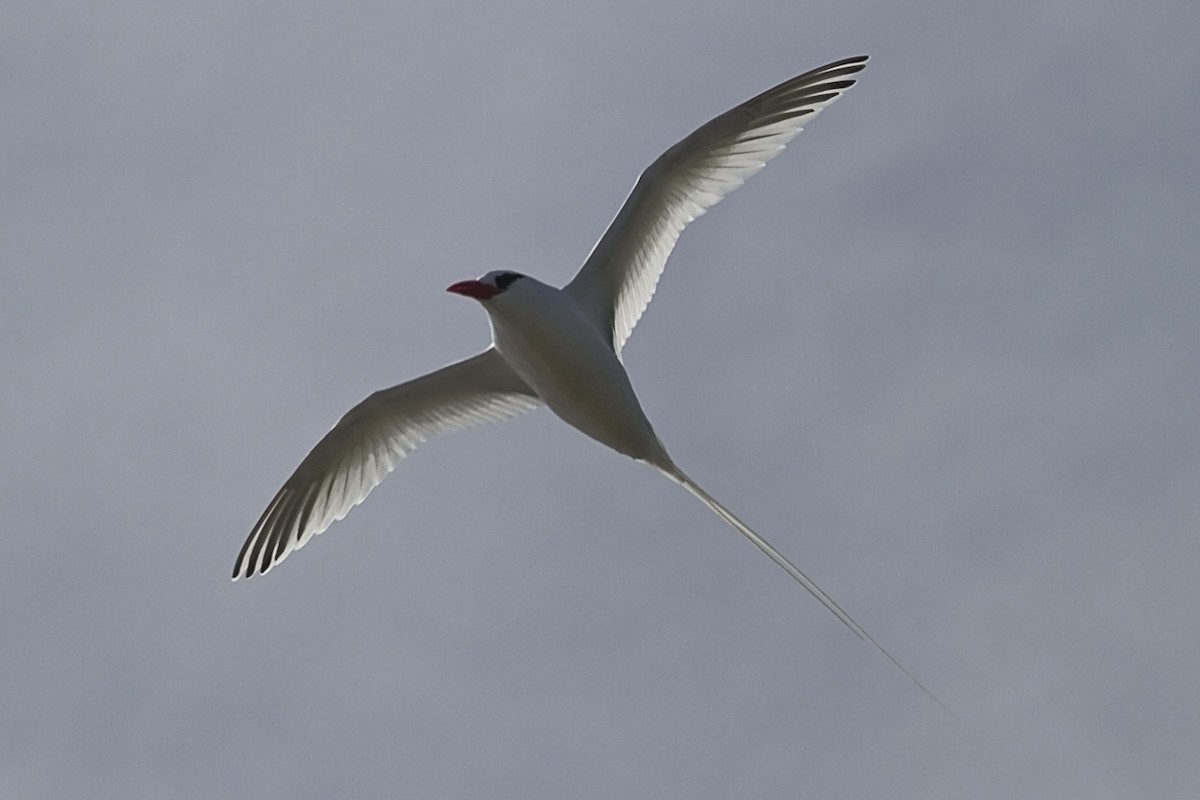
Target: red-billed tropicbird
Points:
x,y
561,347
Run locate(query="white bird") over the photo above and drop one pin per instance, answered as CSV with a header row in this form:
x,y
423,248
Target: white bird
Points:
x,y
561,347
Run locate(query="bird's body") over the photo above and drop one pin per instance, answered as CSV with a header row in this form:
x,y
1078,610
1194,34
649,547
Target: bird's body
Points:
x,y
560,347
566,361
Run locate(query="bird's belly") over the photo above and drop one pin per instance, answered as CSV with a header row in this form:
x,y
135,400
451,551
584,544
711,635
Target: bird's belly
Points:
x,y
581,380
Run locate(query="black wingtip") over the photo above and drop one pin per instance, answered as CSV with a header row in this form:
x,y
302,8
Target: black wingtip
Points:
x,y
848,66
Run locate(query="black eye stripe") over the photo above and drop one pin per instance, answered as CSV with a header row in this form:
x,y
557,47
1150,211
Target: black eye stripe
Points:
x,y
505,279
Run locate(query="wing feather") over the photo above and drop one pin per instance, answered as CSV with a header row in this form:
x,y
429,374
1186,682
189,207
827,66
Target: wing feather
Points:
x,y
367,443
617,280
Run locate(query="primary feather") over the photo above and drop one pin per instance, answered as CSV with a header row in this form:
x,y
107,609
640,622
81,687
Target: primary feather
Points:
x,y
367,443
617,280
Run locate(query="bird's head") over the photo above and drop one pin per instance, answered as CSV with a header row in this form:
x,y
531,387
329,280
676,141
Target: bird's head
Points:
x,y
495,283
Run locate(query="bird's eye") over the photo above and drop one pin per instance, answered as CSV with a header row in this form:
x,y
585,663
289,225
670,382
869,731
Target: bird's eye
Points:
x,y
505,279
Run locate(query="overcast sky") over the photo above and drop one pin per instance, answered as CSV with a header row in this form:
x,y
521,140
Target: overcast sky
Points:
x,y
942,352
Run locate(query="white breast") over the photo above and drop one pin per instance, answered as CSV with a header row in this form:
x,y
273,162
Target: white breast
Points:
x,y
565,359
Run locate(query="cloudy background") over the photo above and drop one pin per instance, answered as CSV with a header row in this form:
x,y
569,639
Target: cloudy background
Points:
x,y
943,352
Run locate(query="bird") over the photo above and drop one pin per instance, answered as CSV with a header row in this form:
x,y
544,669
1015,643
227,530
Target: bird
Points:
x,y
561,348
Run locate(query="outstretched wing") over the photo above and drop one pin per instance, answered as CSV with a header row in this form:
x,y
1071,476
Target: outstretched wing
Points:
x,y
367,443
615,284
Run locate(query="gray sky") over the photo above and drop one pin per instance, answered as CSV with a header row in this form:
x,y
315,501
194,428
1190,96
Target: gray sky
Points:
x,y
942,353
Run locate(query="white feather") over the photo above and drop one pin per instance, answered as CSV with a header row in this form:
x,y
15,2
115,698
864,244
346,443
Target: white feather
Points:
x,y
367,443
617,280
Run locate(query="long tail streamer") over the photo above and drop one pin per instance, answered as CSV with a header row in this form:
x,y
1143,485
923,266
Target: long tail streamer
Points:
x,y
678,476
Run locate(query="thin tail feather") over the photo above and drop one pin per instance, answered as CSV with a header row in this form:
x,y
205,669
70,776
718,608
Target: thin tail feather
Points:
x,y
677,475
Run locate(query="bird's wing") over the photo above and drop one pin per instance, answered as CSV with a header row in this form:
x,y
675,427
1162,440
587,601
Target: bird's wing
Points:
x,y
367,443
618,279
